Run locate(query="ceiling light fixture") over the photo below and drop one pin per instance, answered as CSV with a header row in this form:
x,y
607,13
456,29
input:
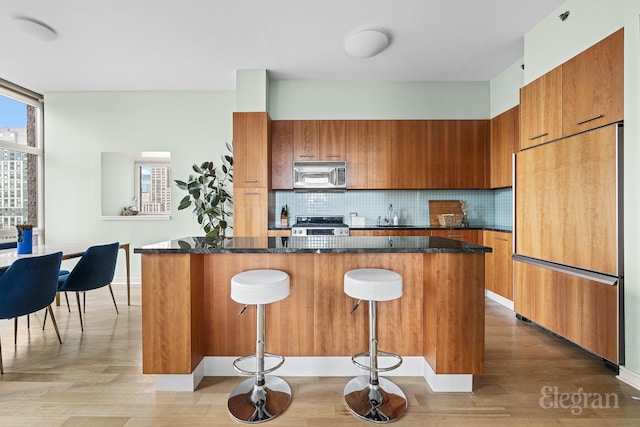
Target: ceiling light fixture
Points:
x,y
36,29
365,44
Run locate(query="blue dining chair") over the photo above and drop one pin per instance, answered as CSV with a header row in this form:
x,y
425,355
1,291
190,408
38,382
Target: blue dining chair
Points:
x,y
28,285
94,270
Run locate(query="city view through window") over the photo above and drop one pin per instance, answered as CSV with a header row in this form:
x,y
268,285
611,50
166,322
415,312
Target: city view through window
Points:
x,y
19,158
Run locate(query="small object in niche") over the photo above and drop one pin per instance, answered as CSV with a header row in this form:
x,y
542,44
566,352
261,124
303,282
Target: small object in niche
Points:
x,y
129,211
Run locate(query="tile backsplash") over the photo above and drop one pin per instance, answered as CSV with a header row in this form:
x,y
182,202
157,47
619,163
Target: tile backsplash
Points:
x,y
486,207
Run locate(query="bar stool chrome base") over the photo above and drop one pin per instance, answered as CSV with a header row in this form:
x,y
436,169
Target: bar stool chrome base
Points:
x,y
251,402
380,403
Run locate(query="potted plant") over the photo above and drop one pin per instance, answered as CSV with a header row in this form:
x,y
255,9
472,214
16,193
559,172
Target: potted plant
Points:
x,y
208,194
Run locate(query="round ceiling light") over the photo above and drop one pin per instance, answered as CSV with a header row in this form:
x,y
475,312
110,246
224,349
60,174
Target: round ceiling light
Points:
x,y
366,44
36,29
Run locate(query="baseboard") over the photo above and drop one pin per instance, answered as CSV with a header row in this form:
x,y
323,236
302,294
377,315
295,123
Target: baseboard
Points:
x,y
629,377
499,299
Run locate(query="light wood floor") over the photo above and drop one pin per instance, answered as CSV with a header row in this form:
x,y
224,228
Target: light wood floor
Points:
x,y
94,379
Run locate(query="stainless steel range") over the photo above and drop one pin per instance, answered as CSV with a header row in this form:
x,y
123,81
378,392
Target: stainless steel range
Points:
x,y
320,226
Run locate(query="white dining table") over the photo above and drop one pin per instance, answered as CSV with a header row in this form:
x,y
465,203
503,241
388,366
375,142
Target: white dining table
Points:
x,y
69,251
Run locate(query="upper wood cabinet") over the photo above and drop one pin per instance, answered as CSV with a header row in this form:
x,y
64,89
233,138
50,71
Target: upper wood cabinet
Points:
x,y
332,141
305,140
593,86
541,110
503,136
584,93
251,149
282,154
471,141
357,149
412,153
440,153
383,159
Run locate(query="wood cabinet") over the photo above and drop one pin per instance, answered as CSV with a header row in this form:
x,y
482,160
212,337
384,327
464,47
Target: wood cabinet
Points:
x,y
503,137
498,264
593,86
251,167
440,154
251,149
463,235
584,93
567,201
471,141
541,110
357,149
332,140
382,155
305,140
582,310
411,146
282,154
250,211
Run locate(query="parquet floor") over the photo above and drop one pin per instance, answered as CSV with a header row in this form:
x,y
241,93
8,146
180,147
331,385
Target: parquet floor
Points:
x,y
94,379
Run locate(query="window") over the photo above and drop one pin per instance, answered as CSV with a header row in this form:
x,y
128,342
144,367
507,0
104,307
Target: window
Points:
x,y
21,160
153,188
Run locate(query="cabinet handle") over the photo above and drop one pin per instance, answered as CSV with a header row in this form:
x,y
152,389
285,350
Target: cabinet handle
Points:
x,y
455,235
538,136
250,180
251,193
500,238
589,119
333,155
306,155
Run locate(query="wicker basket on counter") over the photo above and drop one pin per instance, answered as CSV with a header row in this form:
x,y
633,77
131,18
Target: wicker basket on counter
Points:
x,y
450,220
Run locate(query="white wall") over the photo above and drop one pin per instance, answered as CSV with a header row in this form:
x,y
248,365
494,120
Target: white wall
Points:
x,y
552,42
193,126
505,88
332,100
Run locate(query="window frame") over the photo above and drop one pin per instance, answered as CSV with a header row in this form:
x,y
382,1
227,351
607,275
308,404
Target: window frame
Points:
x,y
28,97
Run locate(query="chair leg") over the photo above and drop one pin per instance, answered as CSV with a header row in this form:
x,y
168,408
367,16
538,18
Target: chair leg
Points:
x,y
114,299
67,298
1,366
79,310
15,330
55,325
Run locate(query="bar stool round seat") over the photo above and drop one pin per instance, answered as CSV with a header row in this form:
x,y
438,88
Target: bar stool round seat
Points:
x,y
371,397
263,397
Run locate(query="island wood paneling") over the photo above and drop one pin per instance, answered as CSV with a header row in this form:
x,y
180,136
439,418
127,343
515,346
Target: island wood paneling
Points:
x,y
454,313
289,322
191,314
173,316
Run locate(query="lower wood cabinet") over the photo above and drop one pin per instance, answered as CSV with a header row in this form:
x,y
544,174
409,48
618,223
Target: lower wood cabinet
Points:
x,y
582,310
498,268
469,236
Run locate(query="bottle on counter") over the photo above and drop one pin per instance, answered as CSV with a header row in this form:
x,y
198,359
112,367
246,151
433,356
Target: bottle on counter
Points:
x,y
395,220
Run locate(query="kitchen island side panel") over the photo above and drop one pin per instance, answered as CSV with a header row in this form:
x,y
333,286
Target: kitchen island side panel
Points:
x,y
172,315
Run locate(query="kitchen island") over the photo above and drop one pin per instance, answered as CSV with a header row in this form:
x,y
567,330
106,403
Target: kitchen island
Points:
x,y
191,328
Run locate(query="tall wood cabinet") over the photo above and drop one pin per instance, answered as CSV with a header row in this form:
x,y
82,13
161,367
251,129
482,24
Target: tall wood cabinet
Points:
x,y
251,167
593,86
541,110
584,93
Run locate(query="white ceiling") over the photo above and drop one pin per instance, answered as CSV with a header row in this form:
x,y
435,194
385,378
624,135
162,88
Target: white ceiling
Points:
x,y
199,44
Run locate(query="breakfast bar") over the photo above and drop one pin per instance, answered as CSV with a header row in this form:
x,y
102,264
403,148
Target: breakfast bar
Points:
x,y
191,326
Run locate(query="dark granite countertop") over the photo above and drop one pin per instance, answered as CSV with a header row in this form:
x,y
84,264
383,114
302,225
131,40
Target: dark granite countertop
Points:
x,y
312,244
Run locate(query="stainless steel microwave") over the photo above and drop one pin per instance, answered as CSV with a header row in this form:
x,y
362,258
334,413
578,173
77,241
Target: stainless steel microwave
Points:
x,y
319,176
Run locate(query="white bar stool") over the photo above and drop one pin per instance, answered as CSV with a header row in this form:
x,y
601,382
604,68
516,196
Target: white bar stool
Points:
x,y
263,397
370,397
